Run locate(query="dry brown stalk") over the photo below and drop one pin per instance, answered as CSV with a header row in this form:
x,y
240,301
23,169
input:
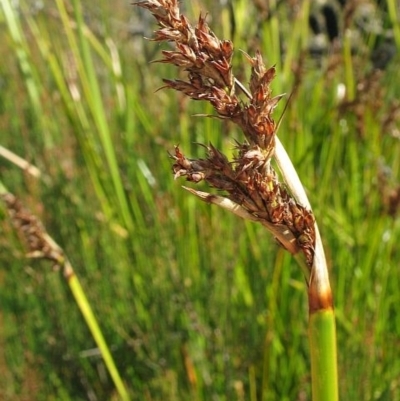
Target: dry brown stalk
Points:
x,y
251,186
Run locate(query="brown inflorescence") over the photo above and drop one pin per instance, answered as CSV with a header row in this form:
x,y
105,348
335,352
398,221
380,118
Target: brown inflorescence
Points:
x,y
39,244
248,180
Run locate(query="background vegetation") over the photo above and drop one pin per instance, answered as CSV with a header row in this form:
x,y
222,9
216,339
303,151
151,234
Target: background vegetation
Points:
x,y
194,303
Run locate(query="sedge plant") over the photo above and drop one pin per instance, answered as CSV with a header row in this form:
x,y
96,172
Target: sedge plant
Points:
x,y
41,245
249,185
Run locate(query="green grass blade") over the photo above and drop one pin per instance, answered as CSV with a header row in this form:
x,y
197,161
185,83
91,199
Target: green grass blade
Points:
x,y
27,67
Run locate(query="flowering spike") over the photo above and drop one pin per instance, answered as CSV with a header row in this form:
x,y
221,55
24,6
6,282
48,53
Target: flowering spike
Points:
x,y
250,184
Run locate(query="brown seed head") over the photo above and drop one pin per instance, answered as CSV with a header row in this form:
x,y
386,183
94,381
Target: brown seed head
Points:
x,y
249,181
39,244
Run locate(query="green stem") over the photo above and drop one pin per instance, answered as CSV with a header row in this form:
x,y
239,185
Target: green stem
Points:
x,y
91,321
322,335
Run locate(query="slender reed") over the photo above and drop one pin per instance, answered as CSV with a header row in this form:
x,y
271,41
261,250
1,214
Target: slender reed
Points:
x,y
41,245
250,186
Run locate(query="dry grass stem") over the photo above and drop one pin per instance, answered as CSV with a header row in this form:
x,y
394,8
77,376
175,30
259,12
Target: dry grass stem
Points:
x,y
20,162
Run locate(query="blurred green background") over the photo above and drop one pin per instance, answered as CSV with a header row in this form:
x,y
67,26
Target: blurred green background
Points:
x,y
194,303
